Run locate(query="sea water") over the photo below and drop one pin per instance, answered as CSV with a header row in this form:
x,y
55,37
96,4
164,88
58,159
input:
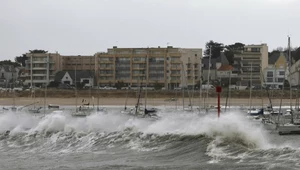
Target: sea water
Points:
x,y
111,140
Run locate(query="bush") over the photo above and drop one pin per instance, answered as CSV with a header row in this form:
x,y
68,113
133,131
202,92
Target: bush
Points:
x,y
53,84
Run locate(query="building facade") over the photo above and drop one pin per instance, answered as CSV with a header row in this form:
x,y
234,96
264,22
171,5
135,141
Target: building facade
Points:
x,y
293,74
8,75
82,76
168,67
78,62
250,63
274,74
209,70
40,68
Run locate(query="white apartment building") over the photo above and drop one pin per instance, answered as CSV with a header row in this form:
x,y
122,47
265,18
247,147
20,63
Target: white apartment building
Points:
x,y
250,63
41,68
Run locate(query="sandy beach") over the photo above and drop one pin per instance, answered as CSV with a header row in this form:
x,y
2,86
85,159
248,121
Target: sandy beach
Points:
x,y
21,101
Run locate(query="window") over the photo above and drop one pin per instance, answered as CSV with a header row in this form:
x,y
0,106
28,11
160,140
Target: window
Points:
x,y
281,73
255,49
280,79
139,52
269,74
269,79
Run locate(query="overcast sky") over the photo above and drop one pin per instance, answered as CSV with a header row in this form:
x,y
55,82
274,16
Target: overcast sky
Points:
x,y
78,27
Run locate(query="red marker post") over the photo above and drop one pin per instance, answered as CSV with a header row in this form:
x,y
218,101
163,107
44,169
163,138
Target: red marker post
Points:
x,y
219,90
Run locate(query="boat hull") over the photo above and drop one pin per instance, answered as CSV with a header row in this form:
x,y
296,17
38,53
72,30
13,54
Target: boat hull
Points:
x,y
288,129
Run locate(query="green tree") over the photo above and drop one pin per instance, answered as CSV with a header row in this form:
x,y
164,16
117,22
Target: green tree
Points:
x,y
120,84
216,49
9,62
232,49
21,60
157,86
53,84
37,51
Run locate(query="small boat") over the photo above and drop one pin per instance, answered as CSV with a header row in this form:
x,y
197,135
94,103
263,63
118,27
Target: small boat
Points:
x,y
289,128
34,110
52,106
151,110
13,109
255,112
212,108
127,111
101,109
82,111
80,114
140,112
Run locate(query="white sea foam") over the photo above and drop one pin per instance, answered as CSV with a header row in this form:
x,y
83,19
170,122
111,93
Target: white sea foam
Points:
x,y
230,126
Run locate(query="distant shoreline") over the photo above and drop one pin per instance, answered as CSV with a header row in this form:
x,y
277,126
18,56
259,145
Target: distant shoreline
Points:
x,y
158,94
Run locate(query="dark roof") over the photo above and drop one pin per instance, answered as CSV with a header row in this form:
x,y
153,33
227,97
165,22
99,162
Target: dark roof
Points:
x,y
205,62
79,74
222,59
59,75
274,57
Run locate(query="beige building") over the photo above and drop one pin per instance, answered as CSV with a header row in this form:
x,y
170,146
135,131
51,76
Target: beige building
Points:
x,y
168,67
70,62
41,68
251,61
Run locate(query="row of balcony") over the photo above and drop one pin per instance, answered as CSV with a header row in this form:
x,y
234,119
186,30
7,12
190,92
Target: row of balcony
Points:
x,y
39,61
40,68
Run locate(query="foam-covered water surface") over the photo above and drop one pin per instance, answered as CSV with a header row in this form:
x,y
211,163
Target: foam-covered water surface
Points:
x,y
112,140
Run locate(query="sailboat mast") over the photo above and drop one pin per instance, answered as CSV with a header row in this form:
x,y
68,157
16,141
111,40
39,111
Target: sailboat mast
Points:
x,y
192,100
208,75
97,74
228,91
250,88
76,87
284,84
200,82
139,97
125,108
290,64
46,84
97,95
14,93
90,86
182,86
176,85
282,93
147,79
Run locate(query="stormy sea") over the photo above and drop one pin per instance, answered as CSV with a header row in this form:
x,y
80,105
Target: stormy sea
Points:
x,y
111,140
